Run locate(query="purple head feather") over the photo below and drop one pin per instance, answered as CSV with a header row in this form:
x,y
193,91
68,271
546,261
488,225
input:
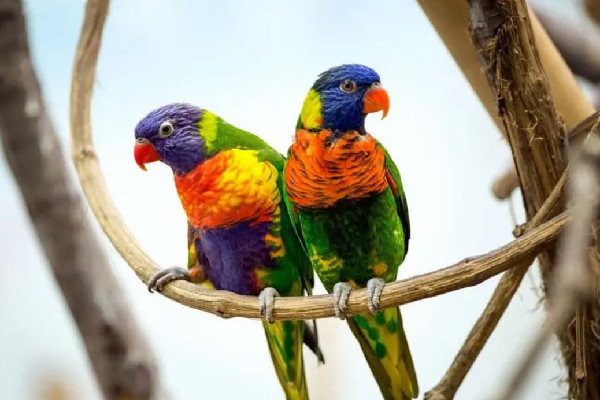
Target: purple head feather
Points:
x,y
174,131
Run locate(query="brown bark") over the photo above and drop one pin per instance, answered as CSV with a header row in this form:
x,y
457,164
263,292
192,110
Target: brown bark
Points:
x,y
573,281
450,20
117,350
503,35
505,184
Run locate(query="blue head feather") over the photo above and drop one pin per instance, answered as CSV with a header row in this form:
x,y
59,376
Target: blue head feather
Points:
x,y
184,149
344,111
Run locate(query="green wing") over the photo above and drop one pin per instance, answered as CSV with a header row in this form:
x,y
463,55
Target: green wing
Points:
x,y
395,183
301,257
303,262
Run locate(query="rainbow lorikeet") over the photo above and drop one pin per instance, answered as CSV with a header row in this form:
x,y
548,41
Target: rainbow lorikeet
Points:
x,y
240,235
345,192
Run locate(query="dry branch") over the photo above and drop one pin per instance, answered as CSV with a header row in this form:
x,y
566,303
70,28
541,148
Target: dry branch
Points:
x,y
580,51
118,352
505,290
506,183
450,18
502,33
487,322
572,280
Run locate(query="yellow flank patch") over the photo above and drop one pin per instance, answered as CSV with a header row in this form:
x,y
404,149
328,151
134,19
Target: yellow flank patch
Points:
x,y
208,129
327,263
208,284
277,253
380,268
276,245
191,255
310,115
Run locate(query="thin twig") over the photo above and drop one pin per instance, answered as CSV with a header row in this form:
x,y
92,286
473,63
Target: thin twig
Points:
x,y
547,209
479,335
121,358
572,282
487,322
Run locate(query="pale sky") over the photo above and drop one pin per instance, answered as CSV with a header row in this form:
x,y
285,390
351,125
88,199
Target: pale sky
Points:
x,y
252,63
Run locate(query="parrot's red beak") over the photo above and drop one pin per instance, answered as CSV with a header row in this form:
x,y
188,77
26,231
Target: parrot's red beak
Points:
x,y
376,99
145,152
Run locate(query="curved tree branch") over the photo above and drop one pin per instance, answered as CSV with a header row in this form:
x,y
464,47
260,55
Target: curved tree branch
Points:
x,y
121,359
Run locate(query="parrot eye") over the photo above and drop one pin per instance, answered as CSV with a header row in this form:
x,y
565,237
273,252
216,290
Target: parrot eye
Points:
x,y
165,130
348,86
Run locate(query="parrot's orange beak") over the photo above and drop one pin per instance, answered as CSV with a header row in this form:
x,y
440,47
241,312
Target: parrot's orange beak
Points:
x,y
376,99
145,152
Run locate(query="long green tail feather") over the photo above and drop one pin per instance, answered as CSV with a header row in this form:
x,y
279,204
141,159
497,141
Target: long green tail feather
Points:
x,y
285,345
383,342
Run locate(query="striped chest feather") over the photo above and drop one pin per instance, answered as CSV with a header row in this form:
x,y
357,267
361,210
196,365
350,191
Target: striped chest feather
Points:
x,y
229,188
323,169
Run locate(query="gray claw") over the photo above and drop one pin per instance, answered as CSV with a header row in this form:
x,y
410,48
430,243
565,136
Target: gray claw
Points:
x,y
158,281
341,291
374,289
266,301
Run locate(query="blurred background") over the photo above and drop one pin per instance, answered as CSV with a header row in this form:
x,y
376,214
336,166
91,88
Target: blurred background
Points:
x,y
252,63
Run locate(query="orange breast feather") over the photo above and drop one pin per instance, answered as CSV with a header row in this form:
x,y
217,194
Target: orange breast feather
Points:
x,y
322,170
230,187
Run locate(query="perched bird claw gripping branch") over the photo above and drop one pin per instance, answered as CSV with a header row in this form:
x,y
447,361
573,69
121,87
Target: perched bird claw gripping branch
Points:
x,y
158,281
266,302
374,288
341,291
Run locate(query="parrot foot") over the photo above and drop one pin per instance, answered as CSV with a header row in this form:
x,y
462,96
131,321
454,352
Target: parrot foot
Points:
x,y
266,301
341,291
161,278
374,289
